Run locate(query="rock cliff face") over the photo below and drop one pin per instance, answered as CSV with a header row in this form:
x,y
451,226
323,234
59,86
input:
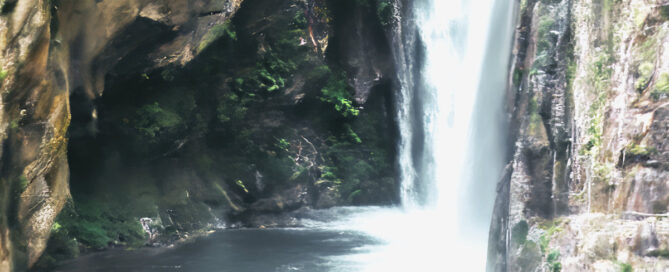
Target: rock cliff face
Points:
x,y
49,49
184,113
34,117
586,185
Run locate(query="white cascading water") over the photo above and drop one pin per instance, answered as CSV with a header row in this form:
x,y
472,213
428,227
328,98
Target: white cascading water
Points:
x,y
461,91
452,137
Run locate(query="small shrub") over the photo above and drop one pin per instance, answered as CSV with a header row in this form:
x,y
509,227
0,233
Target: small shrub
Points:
x,y
152,120
553,261
241,185
327,173
231,107
352,136
384,12
336,92
299,20
625,267
283,144
550,228
664,11
661,90
645,72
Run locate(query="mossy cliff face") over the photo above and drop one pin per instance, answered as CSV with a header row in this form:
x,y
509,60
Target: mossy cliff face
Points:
x,y
186,115
587,183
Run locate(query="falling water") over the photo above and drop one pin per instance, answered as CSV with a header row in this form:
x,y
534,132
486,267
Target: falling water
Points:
x,y
453,76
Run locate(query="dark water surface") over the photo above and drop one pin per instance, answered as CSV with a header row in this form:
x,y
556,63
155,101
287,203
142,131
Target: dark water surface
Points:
x,y
257,250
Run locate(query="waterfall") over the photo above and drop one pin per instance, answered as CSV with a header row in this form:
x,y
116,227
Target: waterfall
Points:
x,y
452,75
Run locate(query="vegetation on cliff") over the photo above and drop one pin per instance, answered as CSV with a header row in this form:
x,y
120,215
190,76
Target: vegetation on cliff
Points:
x,y
586,185
263,120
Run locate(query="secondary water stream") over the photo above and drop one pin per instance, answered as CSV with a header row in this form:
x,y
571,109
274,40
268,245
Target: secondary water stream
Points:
x,y
452,77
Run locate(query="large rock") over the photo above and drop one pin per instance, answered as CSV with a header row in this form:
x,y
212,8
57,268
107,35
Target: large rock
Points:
x,y
34,116
50,49
587,101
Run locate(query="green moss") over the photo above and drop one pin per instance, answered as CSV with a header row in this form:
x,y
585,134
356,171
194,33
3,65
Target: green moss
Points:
x,y
648,49
22,183
97,224
660,253
14,124
519,232
607,6
534,71
517,76
570,74
216,32
600,75
546,40
3,74
661,90
638,150
603,172
645,72
535,124
545,25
